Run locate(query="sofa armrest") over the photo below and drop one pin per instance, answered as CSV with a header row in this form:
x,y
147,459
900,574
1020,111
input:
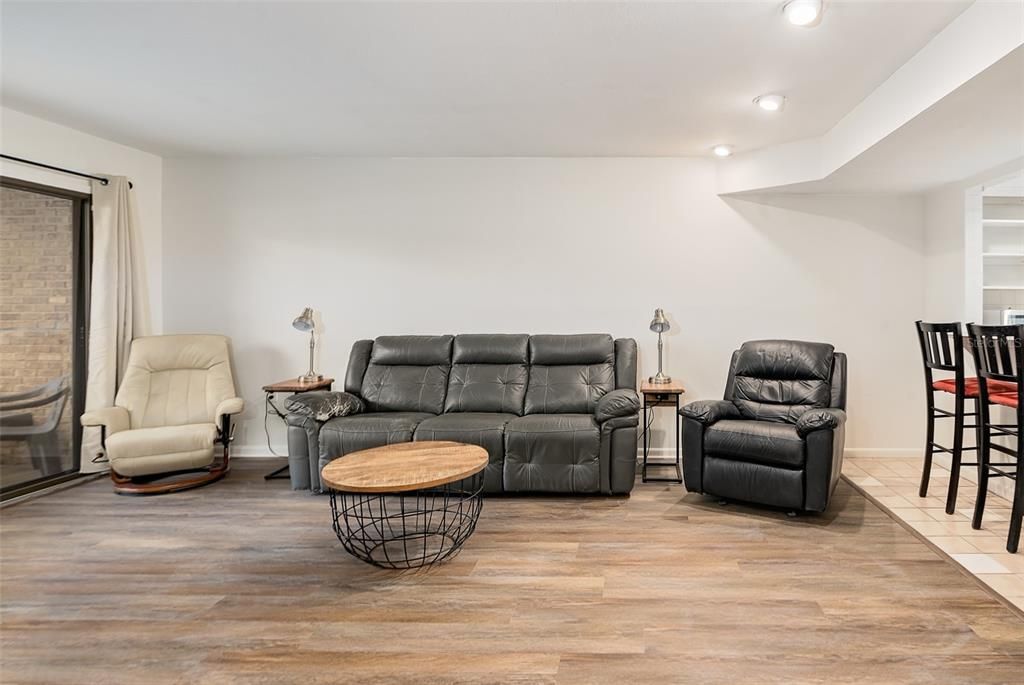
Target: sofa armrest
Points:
x,y
618,454
228,407
324,405
307,412
819,419
621,402
304,451
114,419
707,412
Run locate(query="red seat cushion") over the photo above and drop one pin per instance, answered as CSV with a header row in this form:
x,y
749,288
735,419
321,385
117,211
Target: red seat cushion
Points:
x,y
1007,399
971,386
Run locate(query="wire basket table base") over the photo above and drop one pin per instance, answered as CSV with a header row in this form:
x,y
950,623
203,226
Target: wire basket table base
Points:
x,y
410,529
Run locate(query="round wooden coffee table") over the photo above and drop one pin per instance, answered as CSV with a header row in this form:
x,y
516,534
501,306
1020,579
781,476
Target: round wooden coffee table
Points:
x,y
407,505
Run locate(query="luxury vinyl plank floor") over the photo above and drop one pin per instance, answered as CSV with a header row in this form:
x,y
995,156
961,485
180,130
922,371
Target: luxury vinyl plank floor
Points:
x,y
244,582
982,553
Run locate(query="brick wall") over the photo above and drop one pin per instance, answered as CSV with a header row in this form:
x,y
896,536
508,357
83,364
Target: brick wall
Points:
x,y
36,301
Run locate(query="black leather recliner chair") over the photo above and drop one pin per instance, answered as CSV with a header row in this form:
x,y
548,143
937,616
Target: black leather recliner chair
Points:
x,y
777,437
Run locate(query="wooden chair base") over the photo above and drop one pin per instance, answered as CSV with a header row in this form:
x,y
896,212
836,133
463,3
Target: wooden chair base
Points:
x,y
164,483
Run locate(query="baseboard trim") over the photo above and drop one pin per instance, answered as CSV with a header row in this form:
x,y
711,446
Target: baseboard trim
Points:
x,y
883,452
259,451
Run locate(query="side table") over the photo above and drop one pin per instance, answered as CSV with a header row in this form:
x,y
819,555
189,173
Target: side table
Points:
x,y
293,386
661,395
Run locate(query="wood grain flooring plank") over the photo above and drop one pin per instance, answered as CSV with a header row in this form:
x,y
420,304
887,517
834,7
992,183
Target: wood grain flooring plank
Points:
x,y
244,582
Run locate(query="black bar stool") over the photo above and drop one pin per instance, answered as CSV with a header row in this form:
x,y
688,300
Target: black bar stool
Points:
x,y
999,358
942,349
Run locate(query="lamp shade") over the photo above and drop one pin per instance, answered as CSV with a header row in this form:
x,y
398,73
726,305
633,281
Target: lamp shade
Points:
x,y
659,324
304,321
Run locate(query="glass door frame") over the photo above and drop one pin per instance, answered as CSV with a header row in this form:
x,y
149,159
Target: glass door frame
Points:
x,y
81,256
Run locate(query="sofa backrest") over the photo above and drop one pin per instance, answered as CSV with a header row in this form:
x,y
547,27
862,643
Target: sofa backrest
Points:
x,y
838,381
625,363
488,373
407,373
779,380
515,374
569,373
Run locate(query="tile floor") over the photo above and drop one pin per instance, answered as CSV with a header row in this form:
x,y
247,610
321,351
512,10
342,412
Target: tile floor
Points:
x,y
893,483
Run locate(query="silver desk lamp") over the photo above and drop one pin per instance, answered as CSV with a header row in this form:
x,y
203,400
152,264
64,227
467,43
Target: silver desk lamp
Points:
x,y
304,322
659,324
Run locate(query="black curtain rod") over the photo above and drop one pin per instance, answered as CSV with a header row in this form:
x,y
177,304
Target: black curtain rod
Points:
x,y
102,180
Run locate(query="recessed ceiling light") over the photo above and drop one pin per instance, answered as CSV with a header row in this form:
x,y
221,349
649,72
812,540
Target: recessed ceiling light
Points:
x,y
770,102
722,150
802,12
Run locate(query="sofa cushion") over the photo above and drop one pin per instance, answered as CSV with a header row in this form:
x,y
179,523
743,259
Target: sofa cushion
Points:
x,y
475,428
486,388
588,348
408,373
347,434
764,442
569,389
412,350
488,374
569,373
778,380
553,453
146,451
488,348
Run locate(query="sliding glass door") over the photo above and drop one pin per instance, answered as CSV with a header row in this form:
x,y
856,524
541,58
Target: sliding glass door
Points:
x,y
43,271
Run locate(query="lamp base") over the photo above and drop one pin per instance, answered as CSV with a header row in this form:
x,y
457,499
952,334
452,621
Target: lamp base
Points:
x,y
311,378
659,379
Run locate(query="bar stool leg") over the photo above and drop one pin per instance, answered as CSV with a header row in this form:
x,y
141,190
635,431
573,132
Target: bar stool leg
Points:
x,y
1017,509
983,459
928,442
957,457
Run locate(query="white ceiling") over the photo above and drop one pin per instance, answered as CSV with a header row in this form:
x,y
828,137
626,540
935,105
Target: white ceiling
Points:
x,y
1011,185
450,79
977,127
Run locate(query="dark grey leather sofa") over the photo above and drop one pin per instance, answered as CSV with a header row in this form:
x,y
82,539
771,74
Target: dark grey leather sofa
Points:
x,y
777,438
556,413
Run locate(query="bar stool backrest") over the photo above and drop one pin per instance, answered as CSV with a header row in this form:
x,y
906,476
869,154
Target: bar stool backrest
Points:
x,y
998,353
942,348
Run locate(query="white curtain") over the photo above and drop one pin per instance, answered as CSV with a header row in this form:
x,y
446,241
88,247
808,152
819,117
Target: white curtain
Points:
x,y
118,301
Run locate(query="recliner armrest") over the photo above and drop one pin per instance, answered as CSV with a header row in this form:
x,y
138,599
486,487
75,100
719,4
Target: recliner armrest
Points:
x,y
232,405
819,419
621,402
114,419
708,412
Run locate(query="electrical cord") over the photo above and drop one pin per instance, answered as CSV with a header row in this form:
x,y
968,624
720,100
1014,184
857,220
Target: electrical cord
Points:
x,y
647,425
266,422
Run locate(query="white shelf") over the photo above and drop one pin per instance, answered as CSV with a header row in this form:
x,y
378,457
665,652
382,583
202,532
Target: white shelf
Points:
x,y
1003,258
1003,287
1004,222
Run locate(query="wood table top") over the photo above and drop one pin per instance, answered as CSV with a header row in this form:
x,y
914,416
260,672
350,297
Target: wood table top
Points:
x,y
673,388
295,385
404,466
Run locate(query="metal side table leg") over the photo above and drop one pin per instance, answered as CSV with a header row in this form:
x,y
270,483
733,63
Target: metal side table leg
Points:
x,y
647,423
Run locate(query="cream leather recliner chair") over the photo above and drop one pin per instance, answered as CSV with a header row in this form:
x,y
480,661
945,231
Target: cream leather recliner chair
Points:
x,y
173,408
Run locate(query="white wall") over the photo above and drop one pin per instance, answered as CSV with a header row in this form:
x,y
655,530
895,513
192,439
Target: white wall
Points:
x,y
946,264
953,242
32,138
542,245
